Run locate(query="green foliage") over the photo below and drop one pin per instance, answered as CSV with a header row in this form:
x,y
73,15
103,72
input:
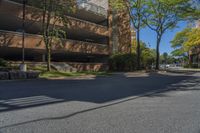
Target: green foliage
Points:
x,y
193,39
53,12
179,52
165,55
185,40
137,9
178,43
192,12
122,62
180,38
3,63
127,62
163,15
193,66
167,59
57,74
148,56
118,4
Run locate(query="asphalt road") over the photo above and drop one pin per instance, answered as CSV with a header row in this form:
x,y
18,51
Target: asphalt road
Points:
x,y
122,103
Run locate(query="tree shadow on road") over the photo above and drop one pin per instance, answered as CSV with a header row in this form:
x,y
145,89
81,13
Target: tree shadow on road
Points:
x,y
24,94
143,87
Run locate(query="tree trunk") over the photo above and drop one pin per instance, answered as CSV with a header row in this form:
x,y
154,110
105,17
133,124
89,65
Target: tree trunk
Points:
x,y
190,60
158,53
47,39
138,50
48,52
48,59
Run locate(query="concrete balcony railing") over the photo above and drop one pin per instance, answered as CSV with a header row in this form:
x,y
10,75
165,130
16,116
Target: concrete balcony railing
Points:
x,y
92,7
92,27
35,15
84,5
14,40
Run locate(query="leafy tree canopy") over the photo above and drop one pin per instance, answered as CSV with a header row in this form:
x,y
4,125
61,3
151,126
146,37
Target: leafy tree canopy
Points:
x,y
193,39
185,40
118,4
180,38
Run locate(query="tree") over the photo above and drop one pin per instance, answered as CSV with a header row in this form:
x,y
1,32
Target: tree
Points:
x,y
192,12
136,9
165,56
54,12
118,4
148,55
184,41
162,15
178,45
193,39
178,42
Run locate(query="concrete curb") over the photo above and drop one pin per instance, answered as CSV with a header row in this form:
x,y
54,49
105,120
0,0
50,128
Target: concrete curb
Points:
x,y
183,71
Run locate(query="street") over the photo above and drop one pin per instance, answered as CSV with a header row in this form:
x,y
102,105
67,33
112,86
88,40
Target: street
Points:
x,y
121,103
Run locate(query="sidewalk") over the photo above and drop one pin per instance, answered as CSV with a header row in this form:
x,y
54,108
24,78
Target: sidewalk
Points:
x,y
182,70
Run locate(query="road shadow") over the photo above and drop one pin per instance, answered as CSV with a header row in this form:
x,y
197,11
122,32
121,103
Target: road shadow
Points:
x,y
24,94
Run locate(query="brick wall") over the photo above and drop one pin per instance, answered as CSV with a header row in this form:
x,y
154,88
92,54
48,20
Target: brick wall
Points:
x,y
89,66
120,32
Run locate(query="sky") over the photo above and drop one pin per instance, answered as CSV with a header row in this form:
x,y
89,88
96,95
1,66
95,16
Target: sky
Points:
x,y
149,37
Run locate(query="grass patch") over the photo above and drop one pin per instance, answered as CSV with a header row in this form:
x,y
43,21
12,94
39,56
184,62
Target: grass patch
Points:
x,y
40,68
56,74
103,73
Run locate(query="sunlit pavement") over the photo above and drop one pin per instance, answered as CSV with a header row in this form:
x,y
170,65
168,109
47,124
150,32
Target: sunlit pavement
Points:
x,y
181,69
122,103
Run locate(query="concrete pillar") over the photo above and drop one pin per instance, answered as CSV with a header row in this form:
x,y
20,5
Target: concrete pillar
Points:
x,y
120,31
43,58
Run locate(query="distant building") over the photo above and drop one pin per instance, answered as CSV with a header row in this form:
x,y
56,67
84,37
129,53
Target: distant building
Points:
x,y
93,34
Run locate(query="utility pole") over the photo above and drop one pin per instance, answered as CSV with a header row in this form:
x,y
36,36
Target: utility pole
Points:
x,y
23,30
23,65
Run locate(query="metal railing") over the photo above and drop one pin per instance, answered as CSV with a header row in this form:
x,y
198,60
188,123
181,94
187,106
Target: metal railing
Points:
x,y
92,7
69,17
83,5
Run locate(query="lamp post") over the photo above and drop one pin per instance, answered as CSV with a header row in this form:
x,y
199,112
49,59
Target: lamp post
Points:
x,y
23,66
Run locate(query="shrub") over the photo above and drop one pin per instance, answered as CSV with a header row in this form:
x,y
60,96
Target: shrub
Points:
x,y
3,63
194,66
122,62
148,57
191,66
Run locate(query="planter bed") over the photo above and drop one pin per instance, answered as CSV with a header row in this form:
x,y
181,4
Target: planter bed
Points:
x,y
14,75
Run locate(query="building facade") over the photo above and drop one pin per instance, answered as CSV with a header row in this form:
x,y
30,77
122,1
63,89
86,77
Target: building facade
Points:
x,y
94,32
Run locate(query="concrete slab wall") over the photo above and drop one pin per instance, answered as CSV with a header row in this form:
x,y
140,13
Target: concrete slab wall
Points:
x,y
101,3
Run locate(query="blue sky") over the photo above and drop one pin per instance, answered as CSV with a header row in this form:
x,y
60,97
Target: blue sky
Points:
x,y
149,37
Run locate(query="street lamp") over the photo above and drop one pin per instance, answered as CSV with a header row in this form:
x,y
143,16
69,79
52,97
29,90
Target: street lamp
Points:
x,y
23,66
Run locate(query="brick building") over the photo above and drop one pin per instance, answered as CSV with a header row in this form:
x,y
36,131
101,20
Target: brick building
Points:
x,y
94,33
